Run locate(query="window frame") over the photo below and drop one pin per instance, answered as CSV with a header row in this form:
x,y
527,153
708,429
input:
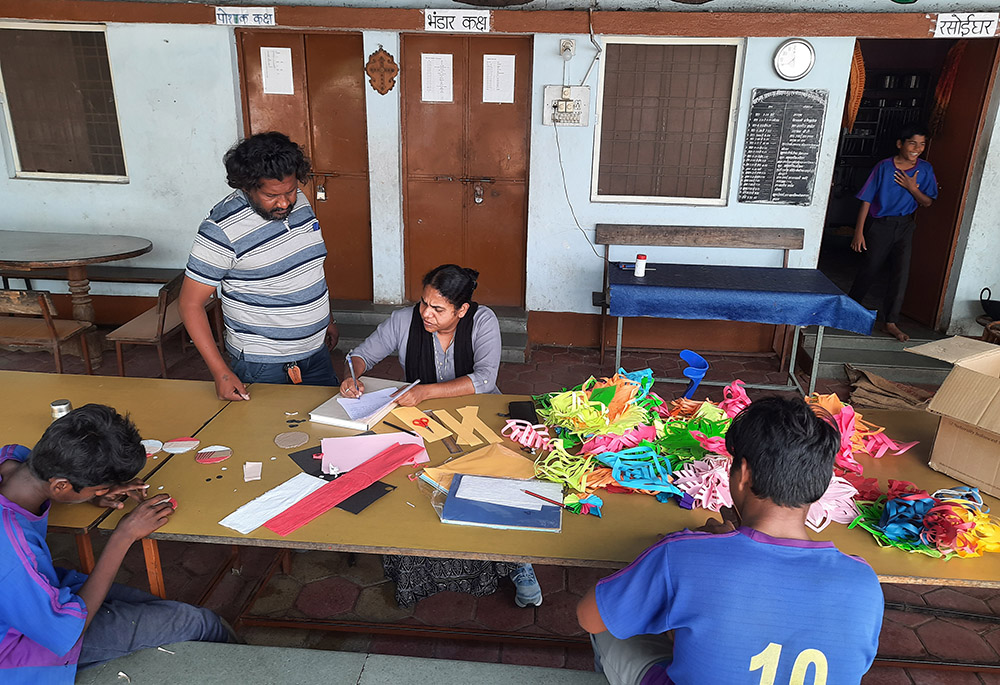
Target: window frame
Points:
x,y
9,124
734,111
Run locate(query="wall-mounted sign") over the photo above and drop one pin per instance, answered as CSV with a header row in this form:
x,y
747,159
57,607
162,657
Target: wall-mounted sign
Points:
x,y
966,25
783,136
457,21
245,16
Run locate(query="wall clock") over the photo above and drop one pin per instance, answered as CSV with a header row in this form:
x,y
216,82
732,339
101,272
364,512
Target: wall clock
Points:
x,y
794,59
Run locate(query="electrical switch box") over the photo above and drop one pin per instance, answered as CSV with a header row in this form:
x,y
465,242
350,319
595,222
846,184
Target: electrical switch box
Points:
x,y
566,106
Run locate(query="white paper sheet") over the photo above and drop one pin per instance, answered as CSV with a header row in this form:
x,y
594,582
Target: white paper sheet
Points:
x,y
352,451
276,71
436,77
367,404
259,511
251,470
498,78
507,492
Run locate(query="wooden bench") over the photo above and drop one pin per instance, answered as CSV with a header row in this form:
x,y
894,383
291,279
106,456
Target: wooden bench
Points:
x,y
223,664
689,236
102,273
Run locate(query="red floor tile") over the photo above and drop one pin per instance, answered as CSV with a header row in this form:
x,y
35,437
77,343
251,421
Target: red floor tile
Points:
x,y
948,641
327,598
886,676
446,609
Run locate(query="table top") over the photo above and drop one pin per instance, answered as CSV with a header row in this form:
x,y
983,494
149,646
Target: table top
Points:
x,y
799,297
39,250
631,522
161,409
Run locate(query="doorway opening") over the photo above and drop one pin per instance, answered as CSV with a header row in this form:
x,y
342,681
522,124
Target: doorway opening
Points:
x,y
943,84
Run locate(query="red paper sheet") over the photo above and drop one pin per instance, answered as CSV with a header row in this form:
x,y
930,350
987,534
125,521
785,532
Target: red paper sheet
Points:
x,y
336,491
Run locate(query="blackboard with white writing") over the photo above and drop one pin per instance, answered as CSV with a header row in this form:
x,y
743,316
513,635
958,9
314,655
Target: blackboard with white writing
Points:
x,y
784,132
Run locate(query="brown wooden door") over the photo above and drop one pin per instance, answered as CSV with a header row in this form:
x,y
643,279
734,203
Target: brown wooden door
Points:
x,y
951,152
465,166
326,116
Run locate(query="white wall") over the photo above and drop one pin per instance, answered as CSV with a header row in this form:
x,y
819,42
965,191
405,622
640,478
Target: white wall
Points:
x,y
562,268
178,104
976,262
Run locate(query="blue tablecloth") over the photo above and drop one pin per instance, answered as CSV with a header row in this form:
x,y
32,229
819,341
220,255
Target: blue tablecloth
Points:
x,y
798,297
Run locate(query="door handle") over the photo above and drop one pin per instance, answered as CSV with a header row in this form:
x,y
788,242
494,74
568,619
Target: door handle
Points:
x,y
444,178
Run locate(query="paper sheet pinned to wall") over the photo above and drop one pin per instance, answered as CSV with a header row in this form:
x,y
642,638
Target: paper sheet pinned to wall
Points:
x,y
276,71
436,77
498,78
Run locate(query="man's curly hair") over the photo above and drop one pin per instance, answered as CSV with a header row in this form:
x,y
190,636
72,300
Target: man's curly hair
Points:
x,y
264,155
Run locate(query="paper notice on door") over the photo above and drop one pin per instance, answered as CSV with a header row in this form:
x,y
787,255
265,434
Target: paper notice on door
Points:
x,y
436,78
498,78
276,71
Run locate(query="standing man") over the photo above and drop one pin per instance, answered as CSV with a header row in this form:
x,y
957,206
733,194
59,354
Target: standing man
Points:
x,y
889,199
263,245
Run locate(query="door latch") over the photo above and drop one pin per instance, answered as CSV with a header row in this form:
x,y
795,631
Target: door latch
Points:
x,y
321,193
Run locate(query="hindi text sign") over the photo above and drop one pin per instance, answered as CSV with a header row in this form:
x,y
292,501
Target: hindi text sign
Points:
x,y
966,25
457,21
245,16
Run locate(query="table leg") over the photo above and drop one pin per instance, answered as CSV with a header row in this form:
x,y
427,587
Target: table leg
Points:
x,y
83,308
816,354
85,550
618,347
153,569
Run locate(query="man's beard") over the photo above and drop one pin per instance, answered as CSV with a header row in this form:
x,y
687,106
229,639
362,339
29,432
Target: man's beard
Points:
x,y
274,214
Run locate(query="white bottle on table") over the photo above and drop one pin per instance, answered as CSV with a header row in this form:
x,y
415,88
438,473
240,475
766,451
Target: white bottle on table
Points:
x,y
640,265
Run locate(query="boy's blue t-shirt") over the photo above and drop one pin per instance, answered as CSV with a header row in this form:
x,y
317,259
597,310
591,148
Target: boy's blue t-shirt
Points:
x,y
748,608
41,617
887,197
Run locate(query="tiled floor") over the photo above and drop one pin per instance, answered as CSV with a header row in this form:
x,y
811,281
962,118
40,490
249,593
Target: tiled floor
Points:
x,y
339,586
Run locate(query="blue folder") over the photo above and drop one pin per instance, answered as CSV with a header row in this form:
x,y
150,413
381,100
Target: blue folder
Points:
x,y
467,512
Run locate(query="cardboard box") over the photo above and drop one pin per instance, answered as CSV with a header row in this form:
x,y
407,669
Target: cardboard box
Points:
x,y
967,444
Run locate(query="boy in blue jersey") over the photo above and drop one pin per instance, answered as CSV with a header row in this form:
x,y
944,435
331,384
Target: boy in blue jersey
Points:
x,y
758,603
889,198
53,620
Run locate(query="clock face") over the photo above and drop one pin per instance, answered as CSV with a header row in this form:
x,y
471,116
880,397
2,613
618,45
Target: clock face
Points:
x,y
794,59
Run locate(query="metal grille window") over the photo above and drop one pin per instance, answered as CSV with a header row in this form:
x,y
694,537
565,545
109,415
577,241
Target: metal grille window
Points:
x,y
666,121
59,103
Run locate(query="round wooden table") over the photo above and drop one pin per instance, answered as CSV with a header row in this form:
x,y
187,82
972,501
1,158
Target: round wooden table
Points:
x,y
30,250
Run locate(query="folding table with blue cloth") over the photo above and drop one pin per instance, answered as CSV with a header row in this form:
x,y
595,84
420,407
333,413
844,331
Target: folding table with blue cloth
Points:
x,y
774,295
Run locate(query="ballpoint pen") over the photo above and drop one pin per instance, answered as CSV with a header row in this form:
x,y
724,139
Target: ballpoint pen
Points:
x,y
350,366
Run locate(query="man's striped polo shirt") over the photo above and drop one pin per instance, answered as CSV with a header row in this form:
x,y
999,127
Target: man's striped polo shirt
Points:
x,y
274,296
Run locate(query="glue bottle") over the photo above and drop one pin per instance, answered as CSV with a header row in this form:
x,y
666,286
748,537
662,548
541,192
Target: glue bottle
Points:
x,y
640,265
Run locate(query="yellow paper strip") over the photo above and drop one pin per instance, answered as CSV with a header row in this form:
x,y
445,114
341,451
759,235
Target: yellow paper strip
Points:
x,y
470,417
464,433
432,433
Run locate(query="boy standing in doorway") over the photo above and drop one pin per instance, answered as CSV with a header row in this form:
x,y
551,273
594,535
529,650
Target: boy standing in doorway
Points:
x,y
890,196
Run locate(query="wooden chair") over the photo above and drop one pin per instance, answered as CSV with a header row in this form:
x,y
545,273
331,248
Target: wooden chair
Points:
x,y
154,325
27,319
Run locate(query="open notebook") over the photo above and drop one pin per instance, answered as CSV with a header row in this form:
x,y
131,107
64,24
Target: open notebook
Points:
x,y
500,503
359,414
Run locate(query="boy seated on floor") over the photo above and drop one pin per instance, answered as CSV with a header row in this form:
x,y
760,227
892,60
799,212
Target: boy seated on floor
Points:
x,y
53,619
758,603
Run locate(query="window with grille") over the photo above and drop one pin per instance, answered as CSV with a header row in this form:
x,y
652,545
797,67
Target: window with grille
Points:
x,y
59,103
667,119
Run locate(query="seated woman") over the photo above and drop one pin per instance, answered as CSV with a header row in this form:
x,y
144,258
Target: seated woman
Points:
x,y
452,345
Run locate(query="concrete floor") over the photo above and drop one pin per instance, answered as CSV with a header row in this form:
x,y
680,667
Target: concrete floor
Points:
x,y
332,585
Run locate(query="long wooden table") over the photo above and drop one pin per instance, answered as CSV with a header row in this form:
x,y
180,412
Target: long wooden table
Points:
x,y
160,409
630,524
